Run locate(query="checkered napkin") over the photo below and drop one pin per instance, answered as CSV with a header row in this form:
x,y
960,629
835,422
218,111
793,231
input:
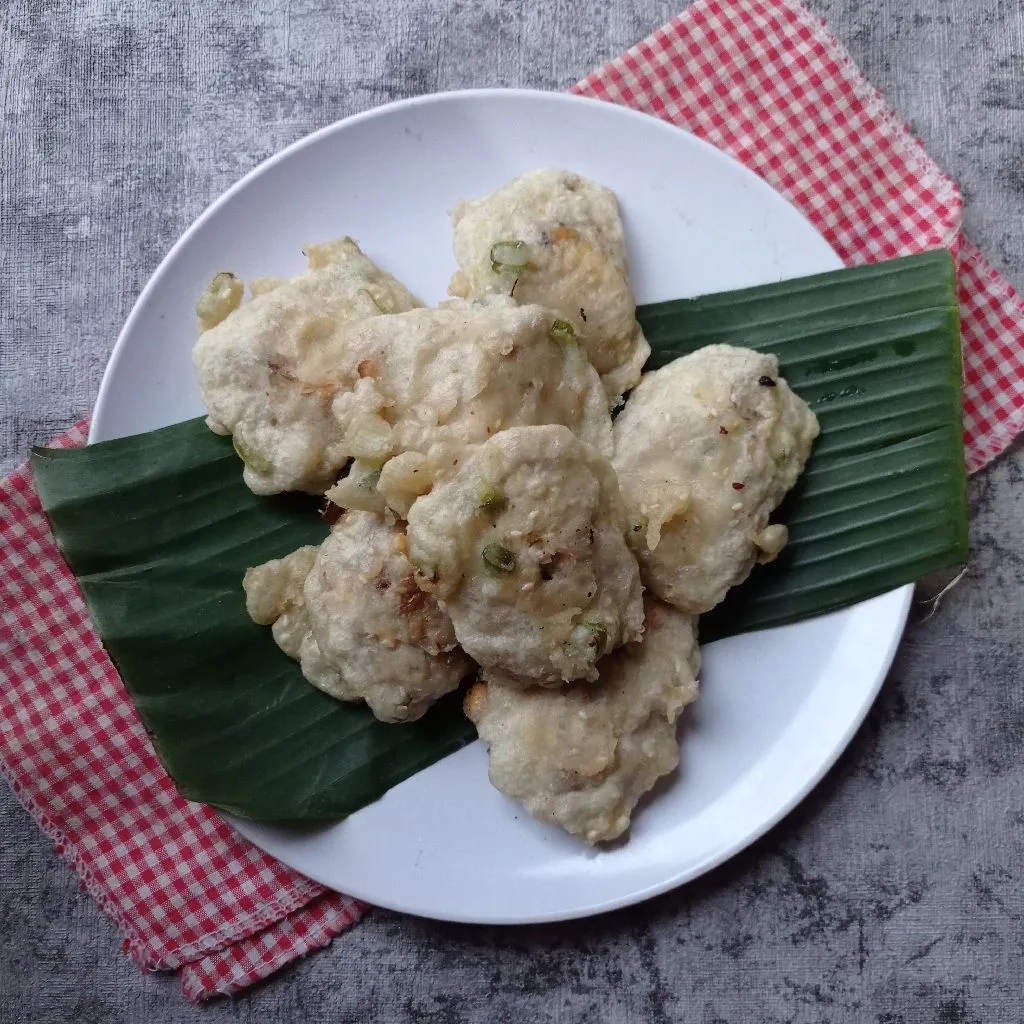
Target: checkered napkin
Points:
x,y
767,82
761,79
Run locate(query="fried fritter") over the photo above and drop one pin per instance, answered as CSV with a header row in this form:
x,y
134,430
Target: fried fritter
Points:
x,y
252,362
558,239
353,616
705,450
525,547
582,756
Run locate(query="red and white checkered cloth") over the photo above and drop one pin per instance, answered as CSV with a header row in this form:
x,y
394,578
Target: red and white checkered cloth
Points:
x,y
761,79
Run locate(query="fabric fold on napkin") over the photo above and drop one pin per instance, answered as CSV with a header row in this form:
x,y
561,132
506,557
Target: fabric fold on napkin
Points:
x,y
761,79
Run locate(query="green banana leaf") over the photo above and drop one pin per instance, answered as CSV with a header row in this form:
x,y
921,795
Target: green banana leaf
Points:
x,y
159,529
875,351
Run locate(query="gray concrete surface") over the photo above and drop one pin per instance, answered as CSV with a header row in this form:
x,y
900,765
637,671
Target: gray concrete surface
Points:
x,y
893,894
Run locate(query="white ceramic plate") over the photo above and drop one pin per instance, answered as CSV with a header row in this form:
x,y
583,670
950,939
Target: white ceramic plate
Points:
x,y
776,708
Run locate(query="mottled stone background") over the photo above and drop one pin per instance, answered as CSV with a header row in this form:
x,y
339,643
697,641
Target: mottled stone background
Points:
x,y
893,894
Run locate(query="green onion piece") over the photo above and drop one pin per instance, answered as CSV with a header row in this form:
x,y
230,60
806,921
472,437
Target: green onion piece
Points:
x,y
256,462
368,481
491,499
509,256
593,631
498,559
562,331
221,298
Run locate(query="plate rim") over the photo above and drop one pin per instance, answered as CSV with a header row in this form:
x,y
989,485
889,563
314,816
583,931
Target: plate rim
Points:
x,y
901,597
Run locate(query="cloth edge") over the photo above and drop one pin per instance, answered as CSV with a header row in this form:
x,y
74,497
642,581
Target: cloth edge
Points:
x,y
18,488
877,106
1008,431
909,145
194,977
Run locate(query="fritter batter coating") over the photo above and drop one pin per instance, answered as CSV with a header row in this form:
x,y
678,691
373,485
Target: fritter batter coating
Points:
x,y
559,240
252,362
581,757
525,547
705,450
434,381
351,613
